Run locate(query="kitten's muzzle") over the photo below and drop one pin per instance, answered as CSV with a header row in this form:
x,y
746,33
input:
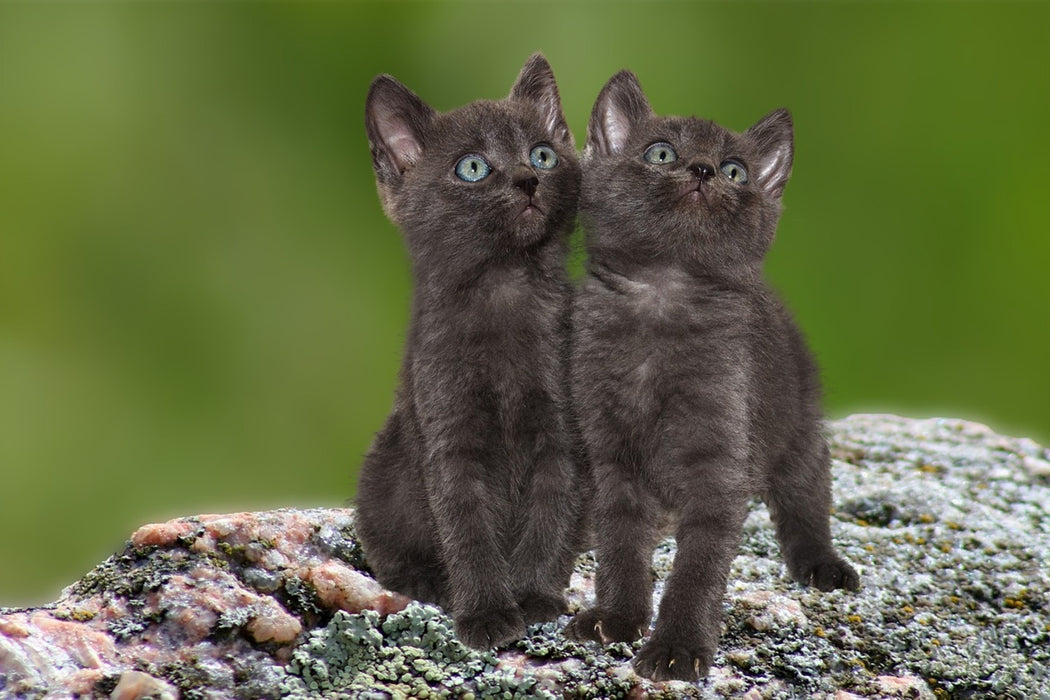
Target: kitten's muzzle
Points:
x,y
694,189
525,180
527,183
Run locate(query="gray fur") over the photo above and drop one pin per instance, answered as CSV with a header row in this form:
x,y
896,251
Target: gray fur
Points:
x,y
695,389
467,496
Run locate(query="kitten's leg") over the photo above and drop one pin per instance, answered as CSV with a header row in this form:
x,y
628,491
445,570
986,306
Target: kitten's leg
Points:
x,y
463,476
465,511
625,521
542,560
688,626
799,501
393,521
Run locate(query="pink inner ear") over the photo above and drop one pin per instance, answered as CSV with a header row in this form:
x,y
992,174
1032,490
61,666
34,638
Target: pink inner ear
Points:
x,y
400,142
554,124
615,128
774,170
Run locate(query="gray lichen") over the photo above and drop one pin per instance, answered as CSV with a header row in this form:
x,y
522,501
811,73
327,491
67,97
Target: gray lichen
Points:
x,y
947,523
413,653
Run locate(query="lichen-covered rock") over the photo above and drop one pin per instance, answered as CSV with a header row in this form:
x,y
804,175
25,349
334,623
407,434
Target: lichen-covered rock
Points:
x,y
209,606
947,523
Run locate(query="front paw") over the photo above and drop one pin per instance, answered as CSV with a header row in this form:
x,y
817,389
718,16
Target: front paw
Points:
x,y
829,574
674,660
490,628
541,607
602,626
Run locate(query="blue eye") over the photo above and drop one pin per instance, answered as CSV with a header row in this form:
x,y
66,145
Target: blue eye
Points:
x,y
660,154
543,157
734,171
472,168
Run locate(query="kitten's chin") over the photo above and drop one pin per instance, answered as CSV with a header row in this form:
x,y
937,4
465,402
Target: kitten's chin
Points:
x,y
530,225
531,228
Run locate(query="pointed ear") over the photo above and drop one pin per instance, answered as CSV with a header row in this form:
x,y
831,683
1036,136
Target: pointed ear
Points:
x,y
620,106
774,136
536,85
396,121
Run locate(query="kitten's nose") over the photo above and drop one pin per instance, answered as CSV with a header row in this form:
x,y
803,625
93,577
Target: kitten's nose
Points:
x,y
526,181
702,171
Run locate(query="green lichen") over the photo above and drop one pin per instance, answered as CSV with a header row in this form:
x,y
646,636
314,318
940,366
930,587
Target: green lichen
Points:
x,y
234,552
410,654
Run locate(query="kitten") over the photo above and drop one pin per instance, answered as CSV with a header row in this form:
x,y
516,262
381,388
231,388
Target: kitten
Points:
x,y
467,497
694,388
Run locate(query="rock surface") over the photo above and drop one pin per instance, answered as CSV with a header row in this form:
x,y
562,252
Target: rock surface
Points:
x,y
947,523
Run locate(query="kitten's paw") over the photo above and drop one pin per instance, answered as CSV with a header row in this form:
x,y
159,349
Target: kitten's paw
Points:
x,y
830,574
542,607
673,661
602,626
487,629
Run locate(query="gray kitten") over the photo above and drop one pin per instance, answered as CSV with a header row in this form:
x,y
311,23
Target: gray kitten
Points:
x,y
468,496
694,388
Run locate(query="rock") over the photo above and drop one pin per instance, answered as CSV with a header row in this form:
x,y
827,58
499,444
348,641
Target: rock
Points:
x,y
134,685
209,606
946,521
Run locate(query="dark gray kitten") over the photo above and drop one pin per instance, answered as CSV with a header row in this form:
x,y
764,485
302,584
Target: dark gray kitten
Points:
x,y
468,495
695,390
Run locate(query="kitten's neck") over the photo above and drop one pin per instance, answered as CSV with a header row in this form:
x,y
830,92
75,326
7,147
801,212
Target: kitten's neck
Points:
x,y
626,277
539,265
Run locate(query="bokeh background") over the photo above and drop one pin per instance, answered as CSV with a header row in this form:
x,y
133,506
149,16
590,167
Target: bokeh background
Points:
x,y
202,305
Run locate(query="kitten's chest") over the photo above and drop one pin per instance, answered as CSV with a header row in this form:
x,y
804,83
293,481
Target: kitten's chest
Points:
x,y
656,303
666,339
500,334
670,314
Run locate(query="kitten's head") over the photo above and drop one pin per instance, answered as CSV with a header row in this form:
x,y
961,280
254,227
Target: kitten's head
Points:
x,y
680,189
487,180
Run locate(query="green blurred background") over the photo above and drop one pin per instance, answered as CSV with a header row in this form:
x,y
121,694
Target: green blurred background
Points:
x,y
202,305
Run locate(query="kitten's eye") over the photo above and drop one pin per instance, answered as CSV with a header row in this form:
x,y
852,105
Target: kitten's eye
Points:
x,y
472,168
734,171
660,153
543,157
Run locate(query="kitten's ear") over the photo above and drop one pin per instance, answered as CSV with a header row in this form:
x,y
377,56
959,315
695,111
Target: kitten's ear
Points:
x,y
536,85
396,121
620,106
775,138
